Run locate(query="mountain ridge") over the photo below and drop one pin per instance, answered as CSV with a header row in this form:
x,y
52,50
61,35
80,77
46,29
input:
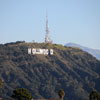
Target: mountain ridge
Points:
x,y
94,52
75,71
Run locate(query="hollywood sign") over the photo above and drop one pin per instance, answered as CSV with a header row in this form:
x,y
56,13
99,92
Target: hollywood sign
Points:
x,y
35,51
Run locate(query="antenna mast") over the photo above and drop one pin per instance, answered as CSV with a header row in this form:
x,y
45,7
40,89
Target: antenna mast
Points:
x,y
47,36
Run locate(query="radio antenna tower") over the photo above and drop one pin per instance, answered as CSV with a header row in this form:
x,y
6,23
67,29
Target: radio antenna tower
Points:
x,y
47,36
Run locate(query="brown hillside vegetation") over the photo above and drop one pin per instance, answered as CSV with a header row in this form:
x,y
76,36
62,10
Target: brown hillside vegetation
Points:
x,y
77,72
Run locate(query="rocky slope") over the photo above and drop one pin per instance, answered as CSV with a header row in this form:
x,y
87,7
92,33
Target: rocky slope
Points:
x,y
77,72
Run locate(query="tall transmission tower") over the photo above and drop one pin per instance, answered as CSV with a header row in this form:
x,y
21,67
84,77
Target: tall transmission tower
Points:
x,y
47,36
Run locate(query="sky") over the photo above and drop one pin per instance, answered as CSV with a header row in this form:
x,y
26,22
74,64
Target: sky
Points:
x,y
76,21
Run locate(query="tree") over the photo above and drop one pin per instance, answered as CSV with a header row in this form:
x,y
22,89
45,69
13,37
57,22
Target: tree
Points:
x,y
61,94
94,95
21,94
1,83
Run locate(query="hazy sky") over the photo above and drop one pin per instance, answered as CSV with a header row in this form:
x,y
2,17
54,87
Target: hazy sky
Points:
x,y
75,21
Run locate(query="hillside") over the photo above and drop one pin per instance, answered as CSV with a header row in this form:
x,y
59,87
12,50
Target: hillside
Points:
x,y
94,52
77,72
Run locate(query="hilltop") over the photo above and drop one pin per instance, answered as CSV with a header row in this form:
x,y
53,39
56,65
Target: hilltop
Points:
x,y
70,68
94,52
